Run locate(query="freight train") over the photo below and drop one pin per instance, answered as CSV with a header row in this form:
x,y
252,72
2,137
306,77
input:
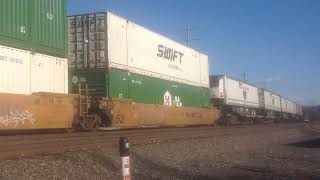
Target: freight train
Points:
x,y
108,72
241,101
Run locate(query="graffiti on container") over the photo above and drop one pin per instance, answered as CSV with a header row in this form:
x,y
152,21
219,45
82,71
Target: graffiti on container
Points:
x,y
119,118
16,117
83,21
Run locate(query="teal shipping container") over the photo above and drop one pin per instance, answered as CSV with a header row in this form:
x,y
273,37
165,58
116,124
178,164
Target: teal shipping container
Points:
x,y
34,25
118,83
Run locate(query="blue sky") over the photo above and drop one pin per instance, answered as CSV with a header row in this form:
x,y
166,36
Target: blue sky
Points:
x,y
276,42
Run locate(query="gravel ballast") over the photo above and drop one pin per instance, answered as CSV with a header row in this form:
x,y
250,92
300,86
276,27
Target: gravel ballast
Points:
x,y
264,155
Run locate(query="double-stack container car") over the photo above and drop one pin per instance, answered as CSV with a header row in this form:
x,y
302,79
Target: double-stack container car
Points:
x,y
33,59
119,59
33,46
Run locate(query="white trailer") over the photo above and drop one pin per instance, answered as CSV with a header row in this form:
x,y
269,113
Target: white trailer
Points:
x,y
269,100
235,95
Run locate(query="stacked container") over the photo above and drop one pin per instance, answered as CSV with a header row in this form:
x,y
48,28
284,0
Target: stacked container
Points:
x,y
33,46
120,59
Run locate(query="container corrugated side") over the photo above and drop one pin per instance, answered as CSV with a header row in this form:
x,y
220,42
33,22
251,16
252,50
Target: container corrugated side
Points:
x,y
239,93
272,101
135,48
14,71
150,90
49,74
96,80
49,26
24,72
15,27
104,40
34,25
285,105
119,83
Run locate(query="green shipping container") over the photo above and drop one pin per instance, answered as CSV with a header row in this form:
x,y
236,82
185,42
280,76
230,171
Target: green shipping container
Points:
x,y
117,83
36,25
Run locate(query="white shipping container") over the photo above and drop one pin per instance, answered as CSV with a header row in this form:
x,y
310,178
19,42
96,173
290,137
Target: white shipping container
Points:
x,y
139,50
287,105
272,101
14,70
23,72
104,40
235,92
49,74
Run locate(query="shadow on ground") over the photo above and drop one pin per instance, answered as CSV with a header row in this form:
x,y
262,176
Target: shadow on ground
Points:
x,y
313,143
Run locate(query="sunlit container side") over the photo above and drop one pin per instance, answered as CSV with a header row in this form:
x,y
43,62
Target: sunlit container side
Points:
x,y
34,25
235,92
14,71
134,62
49,74
15,25
139,50
49,26
293,108
285,105
272,101
24,72
104,40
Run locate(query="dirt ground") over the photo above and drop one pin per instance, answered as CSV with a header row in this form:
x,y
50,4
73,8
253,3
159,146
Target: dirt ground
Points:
x,y
274,152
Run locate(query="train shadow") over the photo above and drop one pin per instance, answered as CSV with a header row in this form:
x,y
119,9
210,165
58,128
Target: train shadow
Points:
x,y
311,143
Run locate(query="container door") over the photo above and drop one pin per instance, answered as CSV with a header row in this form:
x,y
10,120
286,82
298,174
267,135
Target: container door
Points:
x,y
205,97
14,20
118,83
87,41
96,81
261,96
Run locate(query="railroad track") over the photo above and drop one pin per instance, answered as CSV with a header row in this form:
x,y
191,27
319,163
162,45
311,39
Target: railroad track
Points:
x,y
18,146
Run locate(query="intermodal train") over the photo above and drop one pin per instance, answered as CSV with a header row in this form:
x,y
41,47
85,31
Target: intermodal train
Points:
x,y
242,101
105,71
